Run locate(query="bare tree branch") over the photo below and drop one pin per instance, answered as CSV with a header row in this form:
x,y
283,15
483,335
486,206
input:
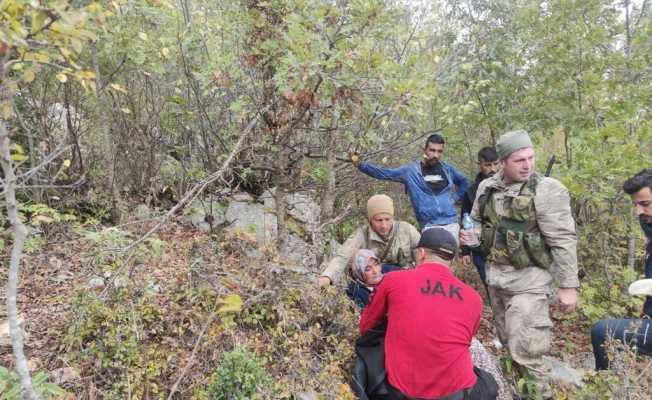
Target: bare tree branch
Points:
x,y
201,186
62,148
20,233
191,359
337,219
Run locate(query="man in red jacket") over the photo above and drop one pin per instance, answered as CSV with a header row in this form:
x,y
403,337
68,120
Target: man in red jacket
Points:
x,y
431,317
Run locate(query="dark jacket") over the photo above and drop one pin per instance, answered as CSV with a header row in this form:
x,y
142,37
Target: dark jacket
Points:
x,y
647,228
369,375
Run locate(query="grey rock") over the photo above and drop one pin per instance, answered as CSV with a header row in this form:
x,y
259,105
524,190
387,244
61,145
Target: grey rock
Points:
x,y
563,373
268,198
252,218
309,395
298,251
298,205
302,208
334,248
96,282
120,281
64,375
260,220
198,210
5,338
242,197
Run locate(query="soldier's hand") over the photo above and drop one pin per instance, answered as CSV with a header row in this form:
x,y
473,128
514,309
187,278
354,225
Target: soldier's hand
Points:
x,y
355,159
567,298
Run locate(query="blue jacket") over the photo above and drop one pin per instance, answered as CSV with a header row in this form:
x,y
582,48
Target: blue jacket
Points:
x,y
430,209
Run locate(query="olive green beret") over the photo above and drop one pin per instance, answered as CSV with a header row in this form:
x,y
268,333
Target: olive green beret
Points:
x,y
512,141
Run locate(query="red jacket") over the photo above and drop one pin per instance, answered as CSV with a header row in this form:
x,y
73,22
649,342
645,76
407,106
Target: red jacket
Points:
x,y
432,317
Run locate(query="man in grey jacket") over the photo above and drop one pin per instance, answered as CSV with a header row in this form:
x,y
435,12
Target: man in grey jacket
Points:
x,y
527,232
394,242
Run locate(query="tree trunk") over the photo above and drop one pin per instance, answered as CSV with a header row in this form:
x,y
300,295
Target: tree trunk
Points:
x,y
282,183
20,233
279,196
468,144
569,153
108,140
328,198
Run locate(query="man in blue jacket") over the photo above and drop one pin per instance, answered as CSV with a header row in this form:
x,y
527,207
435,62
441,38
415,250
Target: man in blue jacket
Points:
x,y
433,185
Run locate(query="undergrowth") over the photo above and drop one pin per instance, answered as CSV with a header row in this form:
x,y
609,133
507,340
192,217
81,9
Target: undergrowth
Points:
x,y
133,342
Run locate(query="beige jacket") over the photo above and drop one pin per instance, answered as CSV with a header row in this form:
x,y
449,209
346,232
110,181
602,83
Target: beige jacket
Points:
x,y
403,241
553,213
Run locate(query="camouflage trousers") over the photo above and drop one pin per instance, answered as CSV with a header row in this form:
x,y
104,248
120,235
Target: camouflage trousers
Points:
x,y
523,325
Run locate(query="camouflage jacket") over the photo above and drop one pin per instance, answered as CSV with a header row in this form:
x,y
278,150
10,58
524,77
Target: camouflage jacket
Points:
x,y
402,245
556,224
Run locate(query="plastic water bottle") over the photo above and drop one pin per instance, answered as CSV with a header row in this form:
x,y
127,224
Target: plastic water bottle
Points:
x,y
467,225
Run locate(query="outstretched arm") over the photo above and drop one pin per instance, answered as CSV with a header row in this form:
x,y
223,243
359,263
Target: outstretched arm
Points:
x,y
342,259
386,174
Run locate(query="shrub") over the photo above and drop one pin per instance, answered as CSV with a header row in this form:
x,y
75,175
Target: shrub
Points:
x,y
604,296
239,376
10,386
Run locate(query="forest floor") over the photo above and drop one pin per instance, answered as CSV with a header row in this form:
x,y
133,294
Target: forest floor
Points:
x,y
52,273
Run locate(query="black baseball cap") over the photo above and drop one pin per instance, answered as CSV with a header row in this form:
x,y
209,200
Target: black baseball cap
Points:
x,y
440,241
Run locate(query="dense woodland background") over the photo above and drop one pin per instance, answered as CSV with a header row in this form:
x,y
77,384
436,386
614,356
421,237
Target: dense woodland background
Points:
x,y
105,106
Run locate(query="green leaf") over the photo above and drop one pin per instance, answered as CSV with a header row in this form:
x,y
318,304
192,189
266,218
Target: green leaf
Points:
x,y
230,304
28,75
38,21
18,157
521,385
17,148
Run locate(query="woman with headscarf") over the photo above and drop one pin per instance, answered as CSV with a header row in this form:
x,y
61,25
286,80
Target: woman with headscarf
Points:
x,y
367,272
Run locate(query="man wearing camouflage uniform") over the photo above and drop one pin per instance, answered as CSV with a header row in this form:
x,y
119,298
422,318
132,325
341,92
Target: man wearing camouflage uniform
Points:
x,y
394,242
526,229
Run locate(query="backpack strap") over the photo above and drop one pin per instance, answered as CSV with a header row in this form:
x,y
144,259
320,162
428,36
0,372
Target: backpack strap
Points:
x,y
389,244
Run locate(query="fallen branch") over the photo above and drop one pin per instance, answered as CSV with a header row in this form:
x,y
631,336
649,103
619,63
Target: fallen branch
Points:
x,y
191,359
20,233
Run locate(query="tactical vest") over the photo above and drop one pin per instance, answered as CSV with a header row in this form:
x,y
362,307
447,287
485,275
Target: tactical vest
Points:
x,y
514,238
